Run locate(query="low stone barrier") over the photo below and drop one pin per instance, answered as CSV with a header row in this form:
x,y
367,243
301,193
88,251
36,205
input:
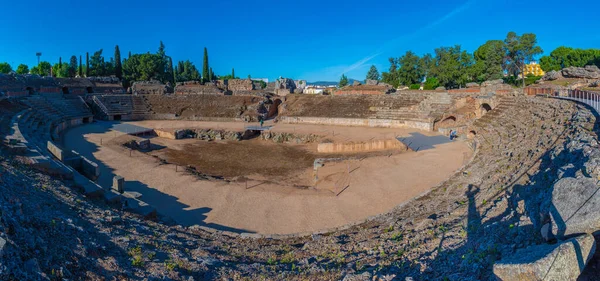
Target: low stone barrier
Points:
x,y
382,123
373,145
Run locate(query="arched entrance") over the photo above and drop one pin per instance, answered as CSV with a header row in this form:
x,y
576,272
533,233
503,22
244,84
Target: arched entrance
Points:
x,y
65,91
274,109
89,90
485,107
30,90
472,135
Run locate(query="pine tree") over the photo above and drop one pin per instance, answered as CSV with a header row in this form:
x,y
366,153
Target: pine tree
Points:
x,y
205,68
80,67
343,81
373,74
118,66
232,73
87,64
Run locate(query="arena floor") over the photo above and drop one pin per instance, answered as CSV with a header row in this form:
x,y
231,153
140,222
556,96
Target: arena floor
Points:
x,y
264,202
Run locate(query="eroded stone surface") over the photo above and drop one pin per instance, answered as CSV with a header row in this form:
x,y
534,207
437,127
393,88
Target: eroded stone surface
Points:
x,y
574,207
561,261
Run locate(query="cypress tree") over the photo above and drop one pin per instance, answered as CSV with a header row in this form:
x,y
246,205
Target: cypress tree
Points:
x,y
171,71
118,67
212,74
80,67
232,73
87,64
205,70
129,55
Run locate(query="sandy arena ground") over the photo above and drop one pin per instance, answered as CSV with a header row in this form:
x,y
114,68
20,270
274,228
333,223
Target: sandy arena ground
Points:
x,y
373,186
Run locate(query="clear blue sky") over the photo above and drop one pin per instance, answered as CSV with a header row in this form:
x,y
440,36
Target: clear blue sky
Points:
x,y
313,40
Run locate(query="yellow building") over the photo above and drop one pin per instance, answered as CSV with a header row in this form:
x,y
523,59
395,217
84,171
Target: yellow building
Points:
x,y
534,69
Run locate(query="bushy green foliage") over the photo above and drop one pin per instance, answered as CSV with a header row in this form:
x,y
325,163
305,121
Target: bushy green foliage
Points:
x,y
99,67
42,69
415,86
186,71
431,83
563,57
454,67
5,67
61,70
22,69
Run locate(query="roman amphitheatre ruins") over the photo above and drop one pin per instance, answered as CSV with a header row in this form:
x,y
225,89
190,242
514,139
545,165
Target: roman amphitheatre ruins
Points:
x,y
101,182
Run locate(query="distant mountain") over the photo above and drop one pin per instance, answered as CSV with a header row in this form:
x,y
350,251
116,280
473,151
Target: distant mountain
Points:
x,y
329,83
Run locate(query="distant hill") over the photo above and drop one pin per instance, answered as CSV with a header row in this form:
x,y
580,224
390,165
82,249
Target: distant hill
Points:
x,y
327,83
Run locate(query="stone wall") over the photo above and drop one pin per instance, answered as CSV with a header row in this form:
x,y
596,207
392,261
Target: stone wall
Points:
x,y
373,145
364,90
149,88
195,87
382,123
236,85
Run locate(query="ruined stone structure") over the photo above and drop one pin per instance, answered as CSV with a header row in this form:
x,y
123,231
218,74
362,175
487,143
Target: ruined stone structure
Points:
x,y
284,86
531,179
195,87
236,85
149,88
364,90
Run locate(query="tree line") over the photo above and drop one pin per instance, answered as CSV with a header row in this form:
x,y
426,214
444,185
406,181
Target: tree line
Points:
x,y
454,67
137,67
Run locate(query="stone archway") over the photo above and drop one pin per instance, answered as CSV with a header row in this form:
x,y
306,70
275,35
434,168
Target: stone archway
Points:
x,y
472,134
486,107
89,90
65,90
30,91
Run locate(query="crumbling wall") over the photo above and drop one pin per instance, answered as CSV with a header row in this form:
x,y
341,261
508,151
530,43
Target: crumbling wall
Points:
x,y
236,85
195,87
149,88
284,86
373,145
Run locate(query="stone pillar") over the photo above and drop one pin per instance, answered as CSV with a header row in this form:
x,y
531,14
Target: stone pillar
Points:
x,y
118,184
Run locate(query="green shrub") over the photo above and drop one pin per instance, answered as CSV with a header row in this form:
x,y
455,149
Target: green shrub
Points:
x,y
415,86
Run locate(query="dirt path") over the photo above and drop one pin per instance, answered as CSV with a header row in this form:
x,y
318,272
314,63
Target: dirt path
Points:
x,y
376,184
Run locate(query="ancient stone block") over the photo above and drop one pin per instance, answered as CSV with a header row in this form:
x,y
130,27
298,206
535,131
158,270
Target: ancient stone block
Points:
x,y
118,184
574,207
2,246
562,261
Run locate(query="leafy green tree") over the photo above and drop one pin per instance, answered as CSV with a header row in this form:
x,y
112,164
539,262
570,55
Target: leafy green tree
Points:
x,y
563,57
60,70
343,81
409,71
373,73
73,66
489,58
453,66
97,66
426,64
22,69
205,68
118,65
42,69
391,77
519,51
5,67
